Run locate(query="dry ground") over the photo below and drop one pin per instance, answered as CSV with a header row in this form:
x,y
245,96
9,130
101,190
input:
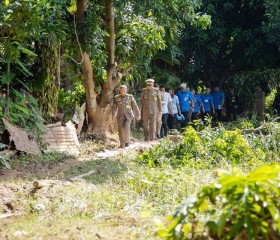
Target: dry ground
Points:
x,y
36,200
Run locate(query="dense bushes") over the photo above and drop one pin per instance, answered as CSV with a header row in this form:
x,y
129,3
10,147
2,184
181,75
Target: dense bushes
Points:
x,y
243,205
208,148
236,207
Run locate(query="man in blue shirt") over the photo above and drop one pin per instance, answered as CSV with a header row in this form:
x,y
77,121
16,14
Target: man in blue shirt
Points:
x,y
207,101
218,100
197,105
186,102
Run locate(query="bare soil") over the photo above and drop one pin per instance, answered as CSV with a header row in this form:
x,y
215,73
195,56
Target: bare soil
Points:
x,y
24,180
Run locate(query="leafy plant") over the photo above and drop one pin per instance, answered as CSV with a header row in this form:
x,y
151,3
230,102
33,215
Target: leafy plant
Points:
x,y
204,149
236,207
24,112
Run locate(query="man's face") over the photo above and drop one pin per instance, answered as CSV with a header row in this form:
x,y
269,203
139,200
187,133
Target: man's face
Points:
x,y
193,91
183,89
150,84
216,89
208,90
162,89
123,91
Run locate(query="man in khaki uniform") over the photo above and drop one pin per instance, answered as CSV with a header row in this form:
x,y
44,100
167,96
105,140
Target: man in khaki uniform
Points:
x,y
150,105
126,108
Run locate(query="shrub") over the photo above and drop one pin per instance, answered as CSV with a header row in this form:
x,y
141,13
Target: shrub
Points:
x,y
236,207
204,149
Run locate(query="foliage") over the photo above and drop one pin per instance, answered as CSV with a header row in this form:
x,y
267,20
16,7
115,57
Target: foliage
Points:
x,y
244,83
235,50
71,99
272,26
24,112
205,149
236,207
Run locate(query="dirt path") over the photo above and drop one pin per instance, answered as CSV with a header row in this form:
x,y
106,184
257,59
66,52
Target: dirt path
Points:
x,y
22,187
51,169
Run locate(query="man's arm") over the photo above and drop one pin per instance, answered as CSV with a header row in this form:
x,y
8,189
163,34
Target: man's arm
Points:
x,y
135,109
170,105
159,102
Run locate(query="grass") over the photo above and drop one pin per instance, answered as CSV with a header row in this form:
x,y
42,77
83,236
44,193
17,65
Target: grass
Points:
x,y
123,198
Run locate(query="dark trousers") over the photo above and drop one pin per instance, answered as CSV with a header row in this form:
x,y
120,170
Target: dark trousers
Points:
x,y
171,121
164,126
194,116
232,114
186,121
218,115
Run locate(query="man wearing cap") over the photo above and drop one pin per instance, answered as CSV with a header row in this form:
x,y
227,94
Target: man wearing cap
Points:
x,y
186,102
126,108
150,105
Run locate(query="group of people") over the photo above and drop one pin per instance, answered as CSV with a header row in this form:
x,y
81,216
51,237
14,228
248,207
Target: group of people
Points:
x,y
160,110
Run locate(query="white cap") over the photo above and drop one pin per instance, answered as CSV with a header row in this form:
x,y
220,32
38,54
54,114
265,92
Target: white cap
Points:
x,y
184,85
150,80
123,86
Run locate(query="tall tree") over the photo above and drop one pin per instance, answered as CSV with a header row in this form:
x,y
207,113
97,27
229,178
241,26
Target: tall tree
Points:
x,y
133,34
235,43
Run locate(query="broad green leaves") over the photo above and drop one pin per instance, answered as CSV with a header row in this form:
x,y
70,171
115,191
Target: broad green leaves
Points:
x,y
241,207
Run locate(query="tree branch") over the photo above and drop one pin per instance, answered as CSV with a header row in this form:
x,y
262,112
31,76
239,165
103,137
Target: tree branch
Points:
x,y
120,75
260,128
110,28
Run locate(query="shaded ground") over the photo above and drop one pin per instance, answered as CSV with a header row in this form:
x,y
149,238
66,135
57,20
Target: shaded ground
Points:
x,y
27,191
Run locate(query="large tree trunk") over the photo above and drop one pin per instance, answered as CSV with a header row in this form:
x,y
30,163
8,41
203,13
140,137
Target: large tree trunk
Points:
x,y
47,88
99,105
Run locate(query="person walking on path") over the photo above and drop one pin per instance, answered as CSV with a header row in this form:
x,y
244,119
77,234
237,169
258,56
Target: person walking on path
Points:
x,y
126,108
218,101
176,110
231,103
186,103
166,107
159,116
150,105
197,105
207,101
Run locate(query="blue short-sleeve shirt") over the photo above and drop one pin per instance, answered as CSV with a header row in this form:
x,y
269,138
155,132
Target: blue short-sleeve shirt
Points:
x,y
207,101
197,103
218,98
185,98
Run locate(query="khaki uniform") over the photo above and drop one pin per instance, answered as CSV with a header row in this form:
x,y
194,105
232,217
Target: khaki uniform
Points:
x,y
127,108
150,104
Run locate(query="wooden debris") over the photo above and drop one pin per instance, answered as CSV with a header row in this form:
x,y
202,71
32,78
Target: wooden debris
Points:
x,y
62,138
21,139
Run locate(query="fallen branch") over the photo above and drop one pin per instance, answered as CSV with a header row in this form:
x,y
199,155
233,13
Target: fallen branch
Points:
x,y
83,175
8,215
260,128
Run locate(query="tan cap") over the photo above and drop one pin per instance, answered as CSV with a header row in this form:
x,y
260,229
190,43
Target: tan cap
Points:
x,y
183,85
123,86
150,80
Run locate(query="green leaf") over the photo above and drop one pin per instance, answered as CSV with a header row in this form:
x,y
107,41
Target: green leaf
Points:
x,y
27,51
23,68
7,77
